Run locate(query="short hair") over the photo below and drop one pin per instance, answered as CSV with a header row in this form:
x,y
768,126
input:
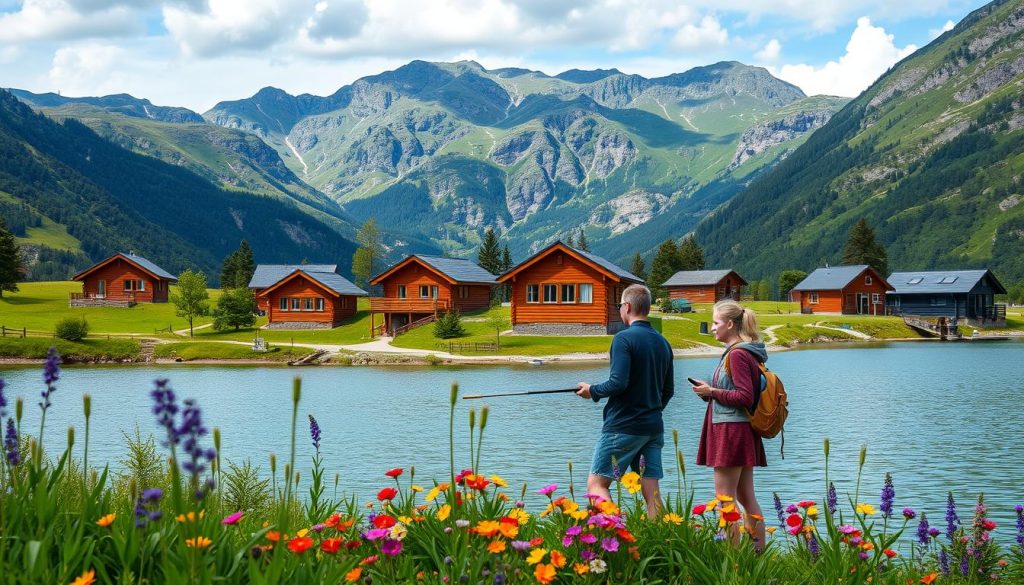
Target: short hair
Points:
x,y
639,298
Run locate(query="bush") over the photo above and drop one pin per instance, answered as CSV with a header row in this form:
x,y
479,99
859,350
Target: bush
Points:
x,y
449,325
665,304
72,329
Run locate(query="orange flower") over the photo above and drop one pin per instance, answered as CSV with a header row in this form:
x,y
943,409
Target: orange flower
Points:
x,y
544,573
86,578
889,553
509,527
487,528
496,546
581,568
557,559
929,578
106,520
273,536
353,575
300,544
198,542
331,545
333,521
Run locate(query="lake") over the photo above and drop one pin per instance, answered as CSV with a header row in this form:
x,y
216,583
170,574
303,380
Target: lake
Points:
x,y
939,416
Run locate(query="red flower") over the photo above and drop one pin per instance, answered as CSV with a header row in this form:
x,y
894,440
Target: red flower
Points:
x,y
699,509
394,473
331,545
388,493
806,504
479,483
462,474
794,520
300,544
333,521
988,524
889,553
625,535
734,516
383,521
353,544
536,541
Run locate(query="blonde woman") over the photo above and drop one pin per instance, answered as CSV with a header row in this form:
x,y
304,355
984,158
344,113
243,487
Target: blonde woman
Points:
x,y
727,442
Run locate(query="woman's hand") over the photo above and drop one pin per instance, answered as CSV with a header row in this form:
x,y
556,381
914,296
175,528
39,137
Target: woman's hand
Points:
x,y
703,390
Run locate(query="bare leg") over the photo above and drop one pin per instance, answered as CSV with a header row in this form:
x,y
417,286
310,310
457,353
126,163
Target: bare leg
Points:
x,y
597,485
652,495
727,481
747,498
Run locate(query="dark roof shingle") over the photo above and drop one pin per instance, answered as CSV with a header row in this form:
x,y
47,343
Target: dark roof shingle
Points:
x,y
931,282
459,269
832,278
696,277
267,275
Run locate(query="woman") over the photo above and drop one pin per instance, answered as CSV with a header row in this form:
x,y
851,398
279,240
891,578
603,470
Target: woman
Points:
x,y
727,442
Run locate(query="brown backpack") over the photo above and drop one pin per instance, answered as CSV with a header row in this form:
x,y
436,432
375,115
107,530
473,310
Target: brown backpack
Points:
x,y
768,418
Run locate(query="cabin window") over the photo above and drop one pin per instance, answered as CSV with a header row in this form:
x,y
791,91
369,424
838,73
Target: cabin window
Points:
x,y
463,292
296,304
550,293
812,298
721,290
401,291
867,279
876,298
938,301
309,304
532,293
568,293
433,292
320,303
586,293
424,291
130,284
283,304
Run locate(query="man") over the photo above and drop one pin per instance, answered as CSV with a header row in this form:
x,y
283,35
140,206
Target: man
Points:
x,y
638,389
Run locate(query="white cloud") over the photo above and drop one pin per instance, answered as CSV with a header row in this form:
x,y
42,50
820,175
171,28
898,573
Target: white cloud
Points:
x,y
89,69
770,53
42,20
869,53
934,33
9,55
222,26
708,34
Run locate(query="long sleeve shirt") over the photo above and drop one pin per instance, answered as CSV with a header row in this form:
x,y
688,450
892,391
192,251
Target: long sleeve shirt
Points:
x,y
640,384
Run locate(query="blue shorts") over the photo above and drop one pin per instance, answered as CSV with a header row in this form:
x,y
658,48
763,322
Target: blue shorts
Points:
x,y
627,450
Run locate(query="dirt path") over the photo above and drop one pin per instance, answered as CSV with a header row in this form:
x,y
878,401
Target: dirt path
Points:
x,y
185,330
852,332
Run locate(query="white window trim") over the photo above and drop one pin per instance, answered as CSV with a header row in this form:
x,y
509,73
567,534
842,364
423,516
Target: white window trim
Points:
x,y
544,296
867,279
424,287
402,292
320,304
876,298
579,293
812,298
561,296
283,301
536,300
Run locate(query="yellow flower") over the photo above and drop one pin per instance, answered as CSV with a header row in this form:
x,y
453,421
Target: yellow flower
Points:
x,y
106,520
866,509
405,519
198,542
416,488
498,481
436,491
812,512
712,505
770,530
496,546
569,506
86,578
631,481
536,556
580,515
722,498
443,512
520,515
399,532
728,508
673,518
191,516
302,533
487,528
608,508
581,568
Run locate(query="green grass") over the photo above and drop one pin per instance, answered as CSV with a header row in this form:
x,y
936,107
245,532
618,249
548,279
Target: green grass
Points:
x,y
85,350
354,330
195,350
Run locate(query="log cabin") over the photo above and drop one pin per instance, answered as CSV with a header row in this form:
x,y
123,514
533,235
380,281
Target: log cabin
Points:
x,y
956,295
420,287
844,290
122,281
705,286
564,291
304,296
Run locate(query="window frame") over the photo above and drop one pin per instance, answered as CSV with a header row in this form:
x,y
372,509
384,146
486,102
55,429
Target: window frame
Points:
x,y
867,279
296,304
282,304
403,293
579,293
535,289
320,304
812,298
876,298
564,288
552,287
424,291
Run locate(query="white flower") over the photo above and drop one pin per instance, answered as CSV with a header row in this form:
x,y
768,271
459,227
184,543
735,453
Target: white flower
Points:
x,y
598,566
399,531
462,523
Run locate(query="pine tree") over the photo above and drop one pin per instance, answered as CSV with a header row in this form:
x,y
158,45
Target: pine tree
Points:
x,y
570,241
665,264
489,256
229,270
370,253
581,242
691,255
245,265
12,266
862,247
506,265
639,267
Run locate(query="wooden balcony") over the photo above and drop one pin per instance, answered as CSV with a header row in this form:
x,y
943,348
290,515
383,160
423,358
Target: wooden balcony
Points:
x,y
393,305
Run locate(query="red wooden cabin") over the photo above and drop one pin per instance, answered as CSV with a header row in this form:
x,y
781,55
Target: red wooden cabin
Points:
x,y
305,297
267,275
705,286
565,291
122,280
846,290
420,287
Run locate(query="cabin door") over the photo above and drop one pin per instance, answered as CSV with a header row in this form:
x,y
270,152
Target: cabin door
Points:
x,y
102,293
862,304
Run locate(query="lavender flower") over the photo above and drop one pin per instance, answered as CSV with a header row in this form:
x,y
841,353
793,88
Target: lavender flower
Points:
x,y
778,509
944,563
152,495
11,444
832,499
165,408
3,400
952,520
888,495
314,432
909,513
190,431
934,532
51,373
813,546
922,530
965,565
1020,525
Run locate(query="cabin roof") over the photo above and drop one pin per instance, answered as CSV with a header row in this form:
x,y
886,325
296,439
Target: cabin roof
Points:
x,y
331,281
269,274
699,277
139,261
834,277
941,281
602,264
455,270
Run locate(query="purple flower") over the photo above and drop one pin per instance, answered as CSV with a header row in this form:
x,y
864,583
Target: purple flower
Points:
x,y
391,547
887,497
588,538
847,529
934,532
567,541
11,444
588,555
792,509
909,513
521,545
831,498
863,555
3,400
813,547
152,495
610,544
375,533
944,563
547,490
314,432
51,373
165,408
952,520
1020,525
965,565
922,530
190,432
574,531
778,509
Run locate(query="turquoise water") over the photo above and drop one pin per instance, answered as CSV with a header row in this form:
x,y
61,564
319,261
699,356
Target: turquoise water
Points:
x,y
940,417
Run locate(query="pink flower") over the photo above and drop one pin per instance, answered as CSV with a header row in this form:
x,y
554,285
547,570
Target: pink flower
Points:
x,y
391,547
233,519
847,529
610,544
567,541
588,538
547,490
573,531
376,533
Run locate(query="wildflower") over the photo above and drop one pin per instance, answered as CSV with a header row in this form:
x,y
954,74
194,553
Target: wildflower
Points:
x,y
273,536
952,520
1020,524
588,538
509,527
3,400
536,555
547,490
889,552
106,520
922,530
416,488
443,512
152,495
863,555
598,566
581,568
610,544
865,509
300,544
487,528
353,575
778,509
813,546
557,559
496,546
233,519
384,521
909,513
314,433
934,532
11,444
391,547
436,491
399,532
887,497
812,512
200,542
394,473
929,578
331,545
792,509
806,504
965,565
86,578
462,523
387,494
944,563
376,533
832,500
498,481
191,516
521,545
631,481
847,529
51,372
731,516
699,509
544,573
672,518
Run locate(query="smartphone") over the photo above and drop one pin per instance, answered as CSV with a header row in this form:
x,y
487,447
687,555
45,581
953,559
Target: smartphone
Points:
x,y
692,381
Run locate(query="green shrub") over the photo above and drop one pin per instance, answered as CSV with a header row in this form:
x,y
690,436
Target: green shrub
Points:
x,y
72,328
449,325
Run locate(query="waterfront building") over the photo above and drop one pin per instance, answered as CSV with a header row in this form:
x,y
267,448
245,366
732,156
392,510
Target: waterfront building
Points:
x,y
967,295
122,281
705,286
311,296
846,290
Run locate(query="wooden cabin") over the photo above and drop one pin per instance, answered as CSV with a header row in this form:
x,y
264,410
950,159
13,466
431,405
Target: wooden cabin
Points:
x,y
705,286
419,288
846,290
267,275
304,298
565,291
954,295
122,281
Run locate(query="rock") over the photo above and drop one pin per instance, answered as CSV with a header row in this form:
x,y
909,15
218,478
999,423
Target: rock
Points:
x,y
628,211
761,137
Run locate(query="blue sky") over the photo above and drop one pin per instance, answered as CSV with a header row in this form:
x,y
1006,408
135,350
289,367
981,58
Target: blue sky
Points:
x,y
194,53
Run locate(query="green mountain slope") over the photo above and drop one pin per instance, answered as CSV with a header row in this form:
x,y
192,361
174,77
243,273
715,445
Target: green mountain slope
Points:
x,y
443,150
93,198
931,154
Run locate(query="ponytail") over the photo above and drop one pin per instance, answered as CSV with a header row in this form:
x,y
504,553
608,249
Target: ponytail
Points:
x,y
745,319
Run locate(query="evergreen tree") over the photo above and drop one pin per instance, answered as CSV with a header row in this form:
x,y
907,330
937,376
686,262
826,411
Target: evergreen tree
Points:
x,y
228,270
489,256
639,267
666,263
235,308
506,265
862,247
763,291
368,257
238,267
449,325
12,266
191,300
691,255
581,242
571,242
787,280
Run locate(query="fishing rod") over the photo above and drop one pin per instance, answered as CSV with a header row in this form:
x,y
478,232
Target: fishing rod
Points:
x,y
561,390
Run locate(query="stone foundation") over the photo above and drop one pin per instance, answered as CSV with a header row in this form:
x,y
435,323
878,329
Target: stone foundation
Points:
x,y
559,329
299,325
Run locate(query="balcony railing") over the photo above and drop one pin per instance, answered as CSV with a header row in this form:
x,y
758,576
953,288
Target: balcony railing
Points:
x,y
393,305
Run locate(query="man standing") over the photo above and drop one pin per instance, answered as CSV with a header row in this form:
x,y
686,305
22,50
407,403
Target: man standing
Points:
x,y
638,389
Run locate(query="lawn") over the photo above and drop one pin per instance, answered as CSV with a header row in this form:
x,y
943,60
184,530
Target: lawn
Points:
x,y
355,329
193,350
85,350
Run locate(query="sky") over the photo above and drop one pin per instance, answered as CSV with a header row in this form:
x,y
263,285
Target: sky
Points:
x,y
195,53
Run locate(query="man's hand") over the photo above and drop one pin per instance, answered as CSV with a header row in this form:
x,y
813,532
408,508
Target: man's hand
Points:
x,y
584,390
